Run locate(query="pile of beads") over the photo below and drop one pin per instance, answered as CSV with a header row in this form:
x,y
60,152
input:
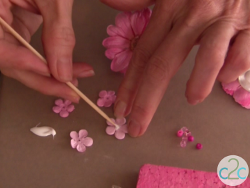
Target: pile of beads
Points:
x,y
186,136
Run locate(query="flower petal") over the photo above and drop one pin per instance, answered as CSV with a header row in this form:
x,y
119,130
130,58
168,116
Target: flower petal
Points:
x,y
74,135
116,31
113,98
59,102
87,141
83,133
70,108
147,13
64,113
122,20
112,119
242,97
101,102
102,93
116,42
111,93
112,52
67,102
57,109
230,88
139,21
108,103
81,147
123,71
110,130
73,143
120,121
121,61
124,128
119,135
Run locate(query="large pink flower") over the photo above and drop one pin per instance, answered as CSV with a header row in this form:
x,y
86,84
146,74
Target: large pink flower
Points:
x,y
124,36
239,94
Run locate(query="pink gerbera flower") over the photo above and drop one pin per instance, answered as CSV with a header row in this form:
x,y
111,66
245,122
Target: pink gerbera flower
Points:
x,y
124,37
239,94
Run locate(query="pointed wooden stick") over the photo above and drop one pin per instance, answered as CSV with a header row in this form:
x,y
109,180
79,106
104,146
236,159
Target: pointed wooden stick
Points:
x,y
84,97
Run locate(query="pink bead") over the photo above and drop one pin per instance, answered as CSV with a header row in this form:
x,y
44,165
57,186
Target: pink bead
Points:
x,y
180,133
199,146
190,138
183,143
184,129
187,133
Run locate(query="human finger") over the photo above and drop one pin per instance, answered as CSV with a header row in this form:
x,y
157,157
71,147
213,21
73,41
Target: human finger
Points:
x,y
58,36
163,64
17,57
81,70
238,59
43,84
209,60
128,5
155,32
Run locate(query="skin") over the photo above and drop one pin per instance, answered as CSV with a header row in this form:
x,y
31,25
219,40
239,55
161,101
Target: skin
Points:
x,y
25,16
221,28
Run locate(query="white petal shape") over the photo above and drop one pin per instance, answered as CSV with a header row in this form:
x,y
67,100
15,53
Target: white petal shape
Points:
x,y
43,131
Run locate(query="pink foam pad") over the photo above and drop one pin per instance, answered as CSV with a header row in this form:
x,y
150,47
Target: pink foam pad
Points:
x,y
152,176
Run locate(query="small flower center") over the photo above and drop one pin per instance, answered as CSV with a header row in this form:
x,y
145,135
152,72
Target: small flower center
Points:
x,y
134,42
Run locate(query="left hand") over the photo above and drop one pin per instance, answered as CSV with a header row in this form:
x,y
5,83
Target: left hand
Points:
x,y
175,27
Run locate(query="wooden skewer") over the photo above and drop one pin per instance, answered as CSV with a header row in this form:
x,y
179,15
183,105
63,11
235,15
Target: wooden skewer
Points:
x,y
84,97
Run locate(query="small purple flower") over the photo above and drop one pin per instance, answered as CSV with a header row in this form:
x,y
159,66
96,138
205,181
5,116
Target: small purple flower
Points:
x,y
121,131
107,98
80,141
63,108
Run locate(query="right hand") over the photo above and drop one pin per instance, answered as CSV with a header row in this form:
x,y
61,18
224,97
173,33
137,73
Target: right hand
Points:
x,y
16,61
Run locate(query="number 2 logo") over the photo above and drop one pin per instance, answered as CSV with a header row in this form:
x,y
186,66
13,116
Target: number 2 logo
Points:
x,y
229,174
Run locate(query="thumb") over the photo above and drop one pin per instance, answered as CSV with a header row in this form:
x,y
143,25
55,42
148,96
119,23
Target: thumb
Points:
x,y
58,36
128,5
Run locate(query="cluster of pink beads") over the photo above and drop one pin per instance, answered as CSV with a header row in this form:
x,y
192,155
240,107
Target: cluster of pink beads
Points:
x,y
186,136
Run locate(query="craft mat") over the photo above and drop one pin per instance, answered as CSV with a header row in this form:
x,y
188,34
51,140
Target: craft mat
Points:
x,y
221,125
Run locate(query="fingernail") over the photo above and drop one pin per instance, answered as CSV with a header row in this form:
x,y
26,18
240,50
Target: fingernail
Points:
x,y
64,67
76,100
193,102
45,74
75,82
87,73
120,109
134,128
74,97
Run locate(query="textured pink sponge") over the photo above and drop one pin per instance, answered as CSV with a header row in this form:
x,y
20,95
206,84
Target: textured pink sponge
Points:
x,y
152,176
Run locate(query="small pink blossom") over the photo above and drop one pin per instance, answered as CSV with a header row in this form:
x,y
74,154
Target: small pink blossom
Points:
x,y
124,37
107,98
121,131
63,108
80,141
239,94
